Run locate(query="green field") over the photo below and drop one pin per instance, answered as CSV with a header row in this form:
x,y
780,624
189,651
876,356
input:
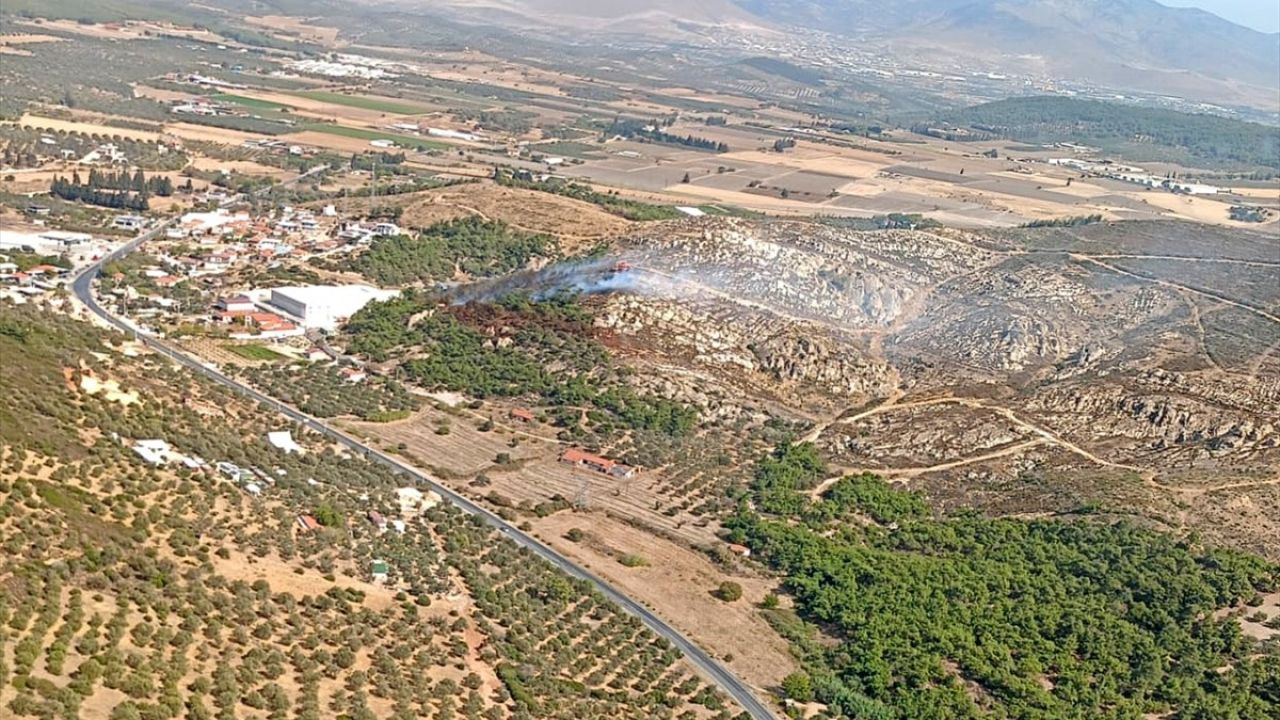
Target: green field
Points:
x,y
365,134
249,102
357,101
254,352
568,148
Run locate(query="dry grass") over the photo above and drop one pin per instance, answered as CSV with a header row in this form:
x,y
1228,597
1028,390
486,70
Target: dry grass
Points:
x,y
678,582
527,210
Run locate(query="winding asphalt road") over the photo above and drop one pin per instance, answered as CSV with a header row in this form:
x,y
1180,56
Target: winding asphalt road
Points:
x,y
82,286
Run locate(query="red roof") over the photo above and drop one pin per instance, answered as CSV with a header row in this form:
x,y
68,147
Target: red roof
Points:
x,y
308,523
522,414
578,455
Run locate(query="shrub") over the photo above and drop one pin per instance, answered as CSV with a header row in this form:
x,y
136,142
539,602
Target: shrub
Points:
x,y
729,591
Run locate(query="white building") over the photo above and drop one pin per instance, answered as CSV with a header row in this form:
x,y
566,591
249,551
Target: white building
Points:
x,y
325,306
283,440
1191,188
155,452
452,134
129,222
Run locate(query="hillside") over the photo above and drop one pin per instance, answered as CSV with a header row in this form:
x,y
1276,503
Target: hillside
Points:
x,y
1135,133
652,17
235,580
1138,44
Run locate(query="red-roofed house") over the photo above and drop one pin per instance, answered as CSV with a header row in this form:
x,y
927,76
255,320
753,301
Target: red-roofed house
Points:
x,y
521,415
306,523
582,458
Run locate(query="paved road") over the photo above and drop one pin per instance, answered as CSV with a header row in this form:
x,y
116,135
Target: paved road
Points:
x,y
82,286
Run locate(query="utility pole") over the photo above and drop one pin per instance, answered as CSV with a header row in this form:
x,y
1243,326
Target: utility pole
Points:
x,y
582,500
373,189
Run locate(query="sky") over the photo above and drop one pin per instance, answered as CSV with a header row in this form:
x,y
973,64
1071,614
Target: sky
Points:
x,y
1261,15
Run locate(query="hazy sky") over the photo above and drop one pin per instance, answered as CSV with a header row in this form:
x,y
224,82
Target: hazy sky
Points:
x,y
1261,15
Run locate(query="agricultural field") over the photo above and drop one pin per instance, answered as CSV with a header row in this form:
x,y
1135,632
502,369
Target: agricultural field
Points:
x,y
141,588
248,102
250,351
344,131
363,102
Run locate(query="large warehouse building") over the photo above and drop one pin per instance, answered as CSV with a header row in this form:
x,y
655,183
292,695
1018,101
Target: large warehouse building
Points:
x,y
325,306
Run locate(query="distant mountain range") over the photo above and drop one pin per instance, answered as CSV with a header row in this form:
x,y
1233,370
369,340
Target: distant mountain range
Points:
x,y
1125,44
1137,44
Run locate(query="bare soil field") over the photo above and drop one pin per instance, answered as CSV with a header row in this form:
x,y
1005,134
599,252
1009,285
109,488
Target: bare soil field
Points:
x,y
1194,208
528,210
45,123
205,133
815,159
679,583
505,75
165,96
1267,193
129,30
245,167
535,474
730,100
296,27
340,143
321,109
27,38
12,44
462,452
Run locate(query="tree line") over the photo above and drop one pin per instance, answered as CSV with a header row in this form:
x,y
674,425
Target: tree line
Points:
x,y
652,130
120,190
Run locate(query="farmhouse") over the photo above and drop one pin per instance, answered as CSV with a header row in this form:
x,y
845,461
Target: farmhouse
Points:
x,y
582,458
521,415
306,523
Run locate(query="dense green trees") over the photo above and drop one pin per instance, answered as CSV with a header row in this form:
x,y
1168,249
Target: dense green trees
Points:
x,y
545,350
471,246
652,130
1137,133
114,190
968,616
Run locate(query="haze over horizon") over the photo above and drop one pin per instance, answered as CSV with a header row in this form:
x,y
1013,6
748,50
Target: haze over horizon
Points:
x,y
1260,15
